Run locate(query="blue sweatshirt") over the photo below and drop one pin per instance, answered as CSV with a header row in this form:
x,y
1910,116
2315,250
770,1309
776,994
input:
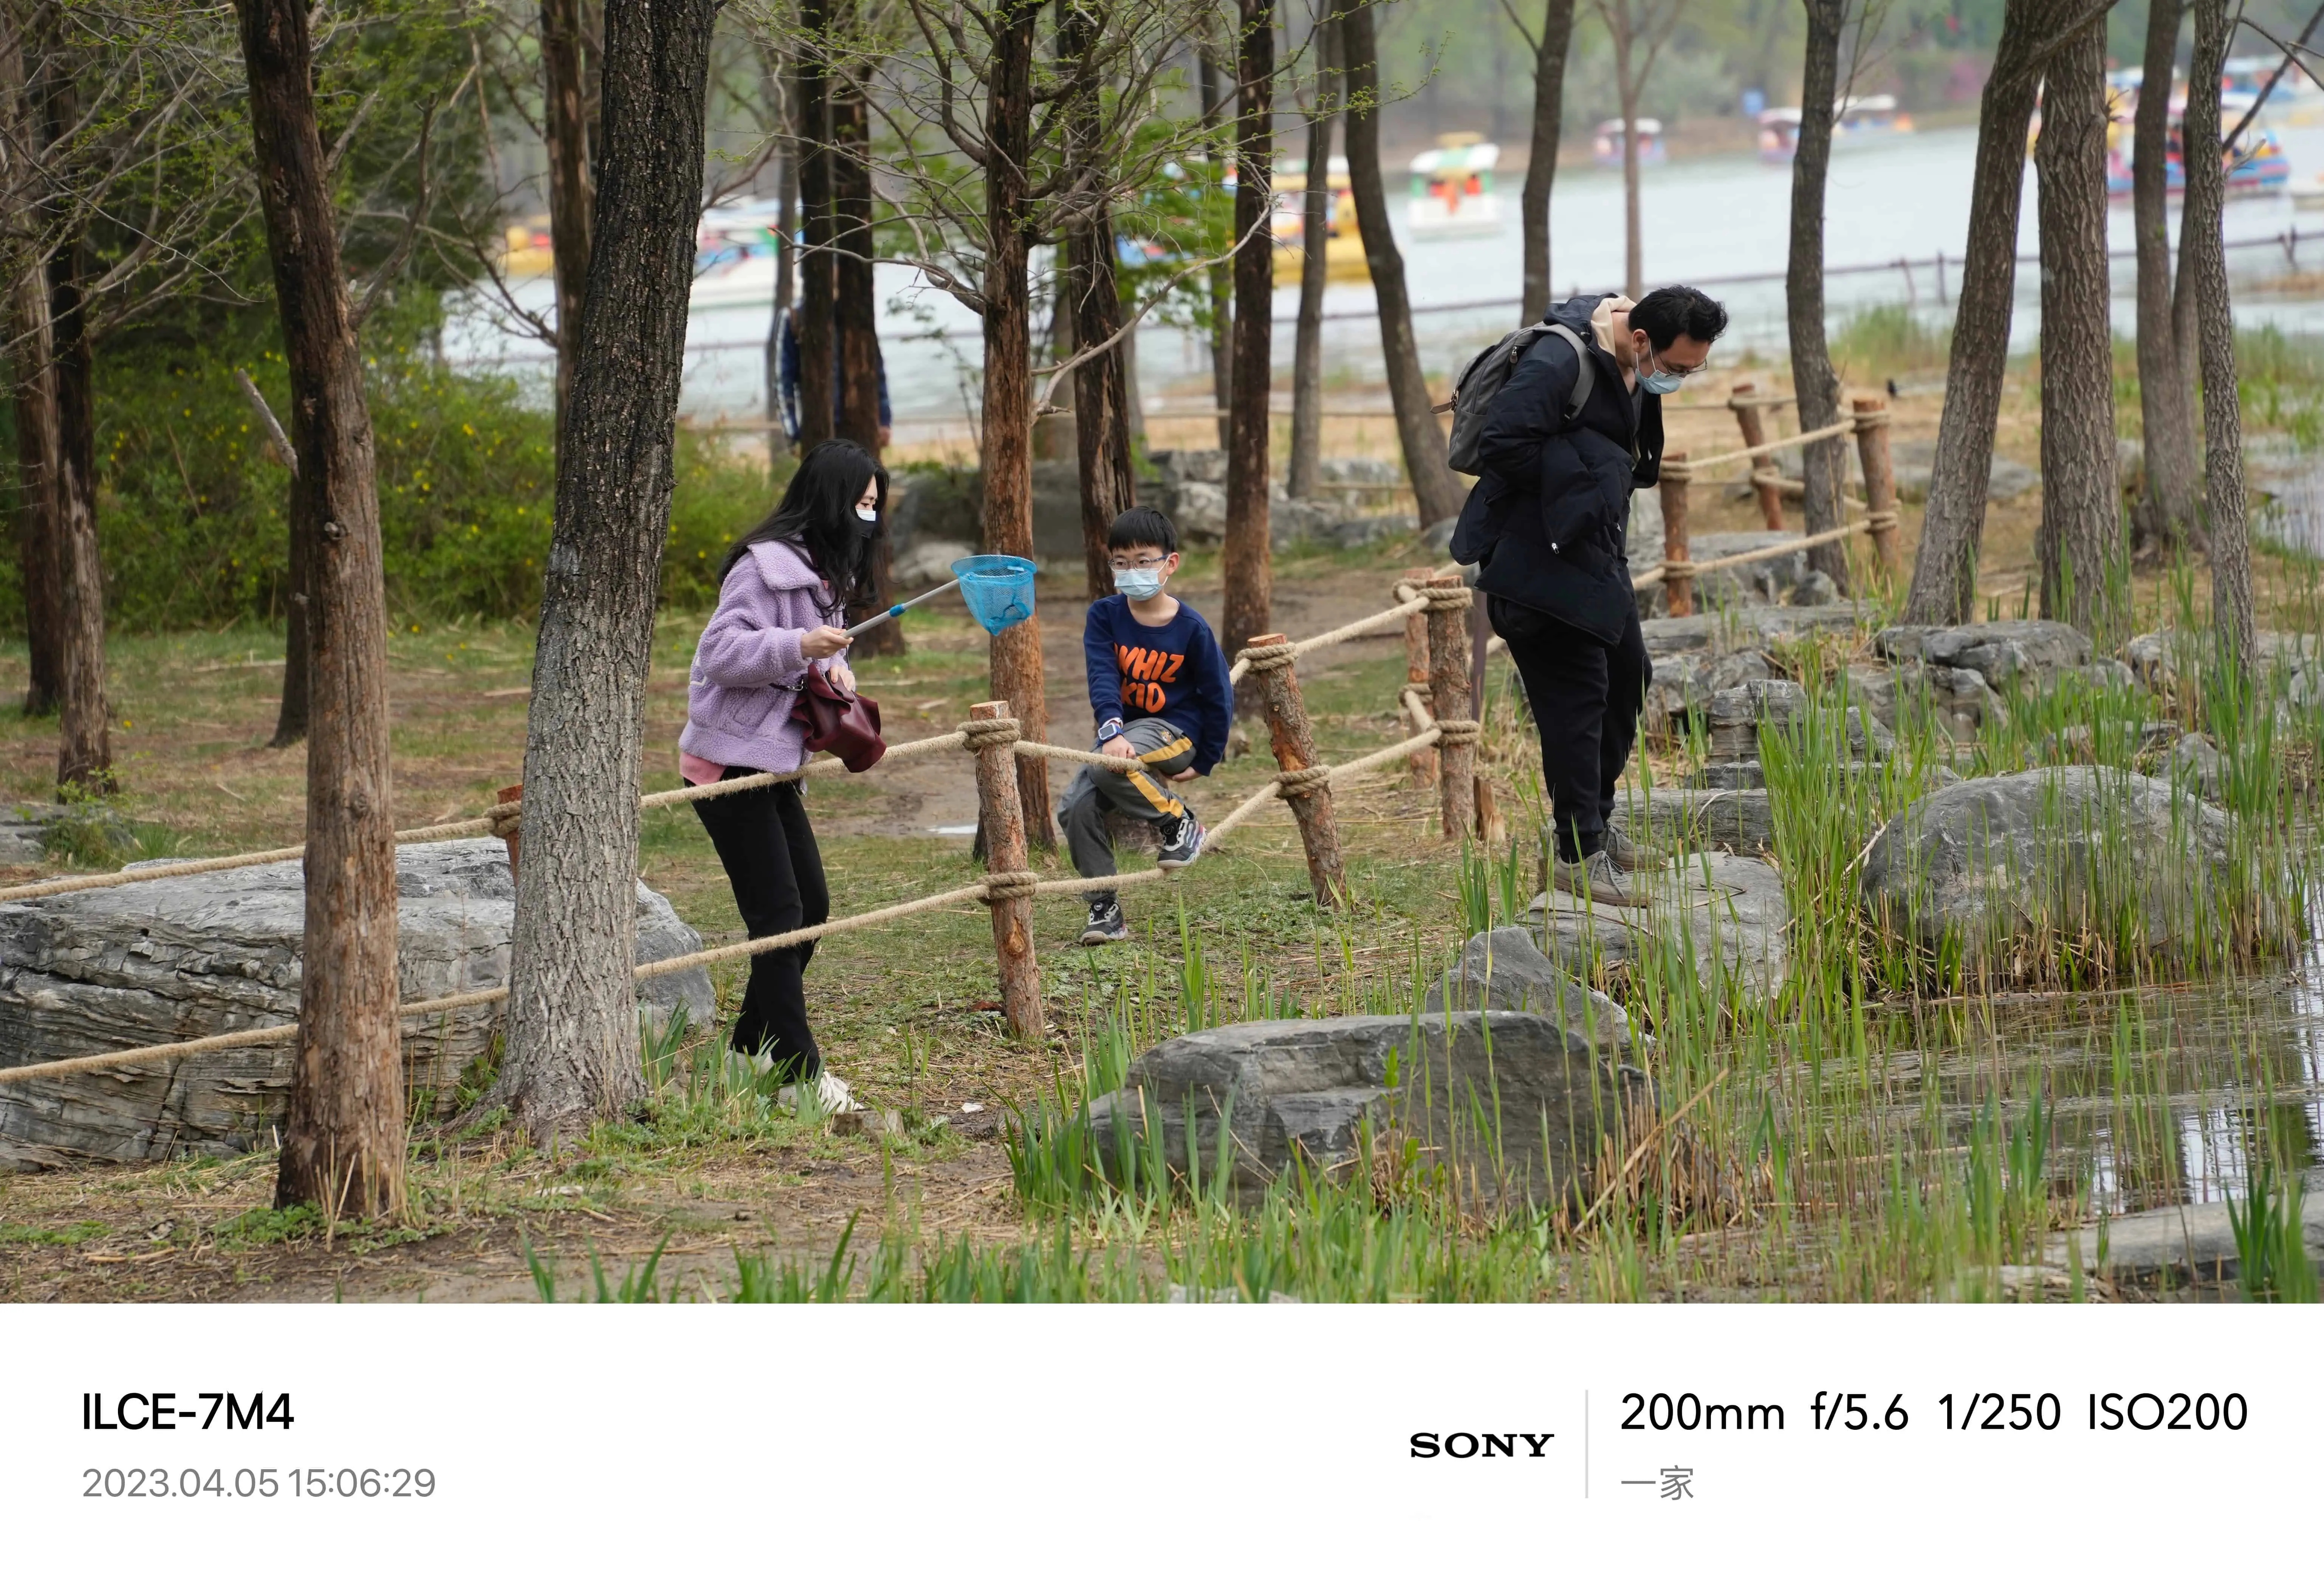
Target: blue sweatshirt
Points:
x,y
1176,672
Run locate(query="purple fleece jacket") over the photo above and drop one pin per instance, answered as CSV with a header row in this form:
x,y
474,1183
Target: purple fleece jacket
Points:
x,y
748,670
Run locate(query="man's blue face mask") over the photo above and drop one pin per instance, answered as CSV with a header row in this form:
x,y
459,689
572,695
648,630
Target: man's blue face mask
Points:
x,y
1659,382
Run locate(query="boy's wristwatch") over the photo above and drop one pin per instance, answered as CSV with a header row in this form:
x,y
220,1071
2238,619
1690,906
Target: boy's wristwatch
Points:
x,y
1109,731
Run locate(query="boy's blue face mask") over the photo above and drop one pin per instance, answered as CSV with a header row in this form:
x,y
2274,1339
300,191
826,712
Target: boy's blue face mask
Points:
x,y
1139,584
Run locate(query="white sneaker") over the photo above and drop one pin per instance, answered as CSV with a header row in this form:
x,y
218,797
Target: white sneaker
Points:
x,y
829,1093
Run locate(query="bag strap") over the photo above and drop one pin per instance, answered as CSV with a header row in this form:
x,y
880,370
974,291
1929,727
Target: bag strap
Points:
x,y
1585,376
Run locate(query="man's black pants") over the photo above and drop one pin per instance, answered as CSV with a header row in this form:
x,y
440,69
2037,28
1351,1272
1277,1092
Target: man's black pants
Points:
x,y
1585,697
764,841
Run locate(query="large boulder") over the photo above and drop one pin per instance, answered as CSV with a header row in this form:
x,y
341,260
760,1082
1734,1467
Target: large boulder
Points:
x,y
1999,652
1508,1104
1504,970
1724,914
1736,715
184,958
1915,461
1732,820
1999,870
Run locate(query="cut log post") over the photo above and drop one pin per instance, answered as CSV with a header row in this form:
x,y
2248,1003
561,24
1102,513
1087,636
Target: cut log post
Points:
x,y
1416,677
1755,432
1678,564
1491,826
1009,874
1879,478
1305,784
1448,697
507,825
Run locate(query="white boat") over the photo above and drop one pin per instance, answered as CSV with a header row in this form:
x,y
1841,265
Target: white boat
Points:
x,y
1452,191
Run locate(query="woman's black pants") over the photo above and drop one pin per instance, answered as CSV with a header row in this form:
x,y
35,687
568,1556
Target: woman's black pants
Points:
x,y
768,847
1585,697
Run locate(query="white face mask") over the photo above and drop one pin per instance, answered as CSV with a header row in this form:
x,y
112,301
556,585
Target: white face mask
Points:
x,y
1139,584
868,513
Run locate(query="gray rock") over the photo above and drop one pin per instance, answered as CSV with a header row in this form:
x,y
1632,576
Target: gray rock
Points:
x,y
1869,739
1997,652
1815,590
1761,584
1306,1091
1179,466
2195,1241
29,833
1729,910
1199,510
2195,762
1727,775
126,965
1733,819
1995,864
1685,682
1437,539
1916,461
927,562
2149,658
1736,715
1353,471
1504,970
1739,628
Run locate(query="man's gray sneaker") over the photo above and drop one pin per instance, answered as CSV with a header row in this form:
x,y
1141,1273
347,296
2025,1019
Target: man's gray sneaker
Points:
x,y
1105,924
1629,855
1596,880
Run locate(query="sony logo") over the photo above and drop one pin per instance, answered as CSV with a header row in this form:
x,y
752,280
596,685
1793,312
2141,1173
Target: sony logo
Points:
x,y
1465,1446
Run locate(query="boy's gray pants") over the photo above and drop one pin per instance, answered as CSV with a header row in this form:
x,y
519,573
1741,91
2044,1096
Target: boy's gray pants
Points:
x,y
1143,796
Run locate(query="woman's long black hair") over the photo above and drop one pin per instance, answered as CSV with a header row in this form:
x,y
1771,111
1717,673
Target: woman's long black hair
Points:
x,y
818,513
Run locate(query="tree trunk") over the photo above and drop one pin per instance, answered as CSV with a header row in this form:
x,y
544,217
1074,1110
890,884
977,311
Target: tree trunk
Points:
x,y
2223,437
1433,486
1133,402
818,271
565,125
1220,274
32,364
1626,88
858,318
2166,418
1017,675
342,1137
84,747
1249,567
1944,572
1823,465
573,1021
1541,163
2081,494
1315,236
1100,395
787,219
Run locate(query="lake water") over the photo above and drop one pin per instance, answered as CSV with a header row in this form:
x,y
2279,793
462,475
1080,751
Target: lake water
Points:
x,y
1902,198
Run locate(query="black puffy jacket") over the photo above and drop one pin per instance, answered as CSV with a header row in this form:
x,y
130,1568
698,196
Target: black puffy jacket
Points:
x,y
1547,520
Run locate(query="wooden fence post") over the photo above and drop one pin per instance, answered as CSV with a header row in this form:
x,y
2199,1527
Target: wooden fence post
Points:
x,y
1764,474
1307,787
1415,675
1678,564
1871,413
1448,697
1007,872
506,822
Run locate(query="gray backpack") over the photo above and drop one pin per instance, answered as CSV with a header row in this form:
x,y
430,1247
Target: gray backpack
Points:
x,y
1488,370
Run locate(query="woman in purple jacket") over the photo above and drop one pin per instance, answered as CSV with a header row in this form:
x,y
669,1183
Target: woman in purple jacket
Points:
x,y
781,607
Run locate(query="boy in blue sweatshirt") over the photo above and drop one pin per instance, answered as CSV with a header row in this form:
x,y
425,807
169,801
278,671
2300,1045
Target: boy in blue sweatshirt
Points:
x,y
1157,682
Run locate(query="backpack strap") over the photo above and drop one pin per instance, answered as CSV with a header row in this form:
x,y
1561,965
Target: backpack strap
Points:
x,y
1585,375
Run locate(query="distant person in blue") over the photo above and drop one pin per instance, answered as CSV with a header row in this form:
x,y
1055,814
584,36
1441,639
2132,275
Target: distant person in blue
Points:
x,y
787,380
1157,684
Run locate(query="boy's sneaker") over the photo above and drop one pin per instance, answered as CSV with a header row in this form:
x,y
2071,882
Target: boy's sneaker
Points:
x,y
1105,924
1183,846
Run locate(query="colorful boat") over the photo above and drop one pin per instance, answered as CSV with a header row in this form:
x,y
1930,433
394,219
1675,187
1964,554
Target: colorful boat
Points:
x,y
1606,149
1453,193
1343,246
2256,165
1862,119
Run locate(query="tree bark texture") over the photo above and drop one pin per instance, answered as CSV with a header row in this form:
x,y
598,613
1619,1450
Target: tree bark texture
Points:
x,y
1824,465
1249,569
1101,394
1944,572
573,1024
818,271
2223,442
1220,274
2081,494
2166,416
1293,742
1541,163
1625,89
1017,674
343,1141
787,220
858,320
1438,493
31,365
564,125
84,745
1315,236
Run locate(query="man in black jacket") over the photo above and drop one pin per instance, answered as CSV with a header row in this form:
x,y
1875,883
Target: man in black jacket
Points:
x,y
1547,524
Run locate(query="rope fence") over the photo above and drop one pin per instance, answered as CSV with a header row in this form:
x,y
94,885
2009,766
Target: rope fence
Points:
x,y
1434,613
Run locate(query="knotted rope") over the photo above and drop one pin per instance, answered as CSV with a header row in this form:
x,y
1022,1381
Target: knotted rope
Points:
x,y
1458,731
1000,885
1447,595
980,732
1264,658
1300,783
